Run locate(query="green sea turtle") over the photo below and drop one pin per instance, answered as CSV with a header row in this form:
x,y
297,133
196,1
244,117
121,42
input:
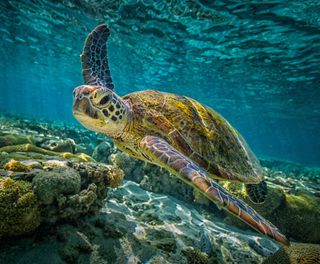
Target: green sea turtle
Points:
x,y
175,132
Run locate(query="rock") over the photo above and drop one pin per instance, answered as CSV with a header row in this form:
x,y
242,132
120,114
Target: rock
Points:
x,y
130,227
176,229
102,152
101,174
14,165
29,148
70,207
297,216
125,162
49,185
13,139
151,177
19,208
60,145
296,253
72,189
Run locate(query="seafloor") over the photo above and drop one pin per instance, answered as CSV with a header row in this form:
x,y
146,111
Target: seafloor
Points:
x,y
69,196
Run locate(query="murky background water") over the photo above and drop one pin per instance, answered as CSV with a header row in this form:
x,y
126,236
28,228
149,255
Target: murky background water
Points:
x,y
255,62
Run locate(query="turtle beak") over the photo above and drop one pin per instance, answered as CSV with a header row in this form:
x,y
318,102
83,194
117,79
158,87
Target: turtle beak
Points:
x,y
83,107
81,103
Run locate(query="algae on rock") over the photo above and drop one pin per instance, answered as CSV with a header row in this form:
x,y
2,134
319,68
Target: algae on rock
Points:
x,y
49,185
296,253
297,216
19,208
33,148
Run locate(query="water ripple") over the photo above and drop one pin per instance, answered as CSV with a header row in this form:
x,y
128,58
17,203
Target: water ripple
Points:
x,y
257,57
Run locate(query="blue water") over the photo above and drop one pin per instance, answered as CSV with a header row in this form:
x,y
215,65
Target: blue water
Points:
x,y
255,62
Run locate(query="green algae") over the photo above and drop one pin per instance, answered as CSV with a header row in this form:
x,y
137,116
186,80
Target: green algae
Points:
x,y
32,148
14,165
10,140
195,256
19,208
297,216
297,253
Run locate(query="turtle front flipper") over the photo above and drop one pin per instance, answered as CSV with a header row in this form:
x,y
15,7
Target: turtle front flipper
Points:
x,y
95,67
159,152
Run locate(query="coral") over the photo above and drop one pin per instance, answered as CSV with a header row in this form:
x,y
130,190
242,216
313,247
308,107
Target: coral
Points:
x,y
123,161
151,177
33,148
167,244
102,152
158,259
75,243
297,216
65,189
140,233
101,174
19,208
60,145
125,254
195,256
72,206
109,236
115,177
67,192
10,140
14,165
49,185
297,253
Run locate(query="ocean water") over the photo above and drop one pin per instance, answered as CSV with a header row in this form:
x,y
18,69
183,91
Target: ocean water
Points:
x,y
67,195
255,62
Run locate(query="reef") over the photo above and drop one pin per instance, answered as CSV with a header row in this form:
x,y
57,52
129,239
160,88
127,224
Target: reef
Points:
x,y
19,208
292,204
130,229
67,187
61,189
297,253
39,186
296,215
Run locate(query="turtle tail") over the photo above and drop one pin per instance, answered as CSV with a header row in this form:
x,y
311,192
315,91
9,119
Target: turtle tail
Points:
x,y
257,192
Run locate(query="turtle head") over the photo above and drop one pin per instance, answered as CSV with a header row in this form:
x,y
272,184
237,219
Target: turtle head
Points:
x,y
100,109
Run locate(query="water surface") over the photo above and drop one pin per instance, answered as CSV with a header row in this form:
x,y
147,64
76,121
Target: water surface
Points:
x,y
255,62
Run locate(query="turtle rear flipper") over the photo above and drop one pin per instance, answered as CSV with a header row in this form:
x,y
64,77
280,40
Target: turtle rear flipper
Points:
x,y
159,152
257,192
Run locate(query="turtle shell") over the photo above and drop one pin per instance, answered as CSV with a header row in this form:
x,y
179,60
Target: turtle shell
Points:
x,y
195,130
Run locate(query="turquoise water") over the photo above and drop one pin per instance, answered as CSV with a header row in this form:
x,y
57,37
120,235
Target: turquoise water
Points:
x,y
255,62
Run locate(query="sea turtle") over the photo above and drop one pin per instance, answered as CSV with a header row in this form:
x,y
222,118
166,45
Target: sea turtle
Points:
x,y
175,132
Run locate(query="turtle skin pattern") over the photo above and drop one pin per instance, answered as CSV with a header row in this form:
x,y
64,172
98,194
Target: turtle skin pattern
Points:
x,y
175,132
94,58
197,131
166,156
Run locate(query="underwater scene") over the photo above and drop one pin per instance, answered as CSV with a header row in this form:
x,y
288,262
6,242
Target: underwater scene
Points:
x,y
158,132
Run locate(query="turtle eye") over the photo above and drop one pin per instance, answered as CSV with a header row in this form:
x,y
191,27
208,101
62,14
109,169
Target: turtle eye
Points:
x,y
104,100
